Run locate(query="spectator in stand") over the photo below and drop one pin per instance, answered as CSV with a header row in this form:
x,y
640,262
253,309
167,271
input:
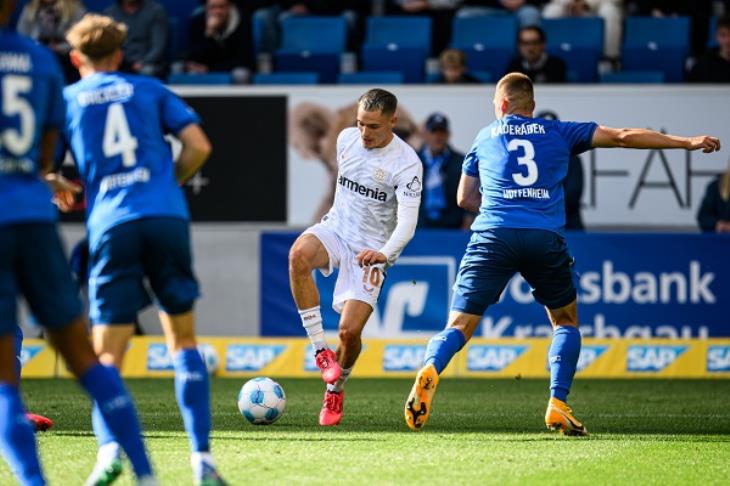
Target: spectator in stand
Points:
x,y
533,61
610,10
47,21
441,175
572,185
454,69
220,41
714,65
147,31
527,12
714,213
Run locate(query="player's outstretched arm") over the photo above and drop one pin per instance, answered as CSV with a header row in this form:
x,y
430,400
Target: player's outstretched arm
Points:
x,y
195,151
642,138
467,195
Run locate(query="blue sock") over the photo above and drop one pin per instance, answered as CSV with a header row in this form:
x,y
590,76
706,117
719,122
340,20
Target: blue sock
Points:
x,y
563,358
117,411
101,430
18,350
193,397
17,440
442,347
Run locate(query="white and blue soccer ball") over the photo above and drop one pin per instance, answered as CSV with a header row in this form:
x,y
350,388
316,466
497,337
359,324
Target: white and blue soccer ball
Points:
x,y
261,401
210,357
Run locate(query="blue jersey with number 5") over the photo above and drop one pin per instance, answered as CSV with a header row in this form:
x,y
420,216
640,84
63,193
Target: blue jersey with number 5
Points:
x,y
115,125
521,163
30,103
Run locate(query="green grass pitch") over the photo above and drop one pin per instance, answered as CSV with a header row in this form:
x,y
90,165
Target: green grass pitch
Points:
x,y
481,432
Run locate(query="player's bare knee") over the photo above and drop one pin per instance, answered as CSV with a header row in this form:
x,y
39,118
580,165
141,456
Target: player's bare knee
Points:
x,y
299,261
349,338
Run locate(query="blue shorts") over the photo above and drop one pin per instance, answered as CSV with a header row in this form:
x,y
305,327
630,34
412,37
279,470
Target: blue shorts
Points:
x,y
120,259
493,256
32,263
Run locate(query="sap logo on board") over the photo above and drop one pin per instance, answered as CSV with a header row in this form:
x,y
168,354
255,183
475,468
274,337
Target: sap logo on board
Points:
x,y
403,357
652,358
309,357
251,357
158,359
588,355
492,358
718,358
29,352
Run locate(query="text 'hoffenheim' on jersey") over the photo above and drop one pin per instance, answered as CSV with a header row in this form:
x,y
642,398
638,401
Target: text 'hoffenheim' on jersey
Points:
x,y
30,103
521,163
115,125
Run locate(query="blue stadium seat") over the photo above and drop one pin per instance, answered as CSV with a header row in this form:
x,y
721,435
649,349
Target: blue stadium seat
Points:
x,y
633,77
397,44
660,44
579,42
286,78
208,78
97,6
489,42
371,78
312,44
711,40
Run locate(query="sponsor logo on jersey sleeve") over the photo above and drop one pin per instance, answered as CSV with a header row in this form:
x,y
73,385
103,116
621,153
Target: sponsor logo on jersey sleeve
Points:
x,y
413,188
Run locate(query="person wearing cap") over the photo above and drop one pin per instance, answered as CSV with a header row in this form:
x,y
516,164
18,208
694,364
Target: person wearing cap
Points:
x,y
441,174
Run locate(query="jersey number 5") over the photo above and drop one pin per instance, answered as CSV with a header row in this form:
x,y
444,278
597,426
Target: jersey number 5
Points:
x,y
19,141
527,159
118,140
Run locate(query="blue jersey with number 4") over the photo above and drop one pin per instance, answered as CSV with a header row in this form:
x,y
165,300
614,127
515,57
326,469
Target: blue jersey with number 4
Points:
x,y
30,102
521,163
115,125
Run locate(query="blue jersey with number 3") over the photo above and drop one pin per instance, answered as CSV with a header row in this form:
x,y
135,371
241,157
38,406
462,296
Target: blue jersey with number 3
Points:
x,y
30,103
521,163
115,125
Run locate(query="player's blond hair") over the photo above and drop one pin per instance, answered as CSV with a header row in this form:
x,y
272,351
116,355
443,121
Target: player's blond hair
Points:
x,y
97,36
517,89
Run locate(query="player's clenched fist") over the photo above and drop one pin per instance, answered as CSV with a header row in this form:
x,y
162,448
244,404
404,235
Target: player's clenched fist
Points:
x,y
706,143
370,257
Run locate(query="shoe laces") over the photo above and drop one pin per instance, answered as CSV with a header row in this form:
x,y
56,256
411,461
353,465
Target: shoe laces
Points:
x,y
333,402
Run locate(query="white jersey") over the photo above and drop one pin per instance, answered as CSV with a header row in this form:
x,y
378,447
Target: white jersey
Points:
x,y
371,184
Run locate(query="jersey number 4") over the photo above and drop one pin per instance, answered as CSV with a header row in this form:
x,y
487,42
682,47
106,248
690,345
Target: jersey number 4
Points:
x,y
118,140
19,141
527,159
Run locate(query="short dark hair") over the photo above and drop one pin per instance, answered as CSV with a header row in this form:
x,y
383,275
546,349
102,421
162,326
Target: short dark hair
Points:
x,y
723,22
535,28
379,99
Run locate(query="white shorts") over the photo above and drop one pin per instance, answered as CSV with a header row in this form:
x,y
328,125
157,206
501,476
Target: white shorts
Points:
x,y
353,281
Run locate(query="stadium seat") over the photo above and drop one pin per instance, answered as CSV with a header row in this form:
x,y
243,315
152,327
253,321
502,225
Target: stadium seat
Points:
x,y
579,42
711,41
97,6
489,42
482,76
397,44
633,77
660,44
371,78
286,78
312,44
208,78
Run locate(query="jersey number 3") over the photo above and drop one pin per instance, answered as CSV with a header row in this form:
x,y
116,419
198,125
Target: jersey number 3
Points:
x,y
527,159
118,140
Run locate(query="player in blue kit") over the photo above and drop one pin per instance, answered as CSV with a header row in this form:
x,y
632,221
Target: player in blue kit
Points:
x,y
137,223
513,177
32,261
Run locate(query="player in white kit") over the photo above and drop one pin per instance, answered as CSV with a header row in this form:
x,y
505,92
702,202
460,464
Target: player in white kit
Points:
x,y
373,218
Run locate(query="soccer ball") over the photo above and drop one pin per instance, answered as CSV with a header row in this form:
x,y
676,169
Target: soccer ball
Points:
x,y
210,357
261,401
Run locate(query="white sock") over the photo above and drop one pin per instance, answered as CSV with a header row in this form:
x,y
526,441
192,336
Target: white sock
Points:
x,y
339,385
108,453
197,459
312,322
